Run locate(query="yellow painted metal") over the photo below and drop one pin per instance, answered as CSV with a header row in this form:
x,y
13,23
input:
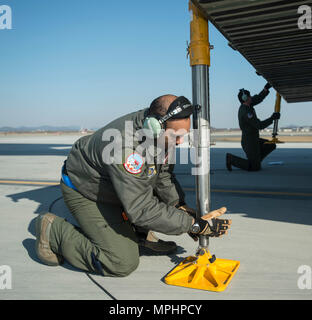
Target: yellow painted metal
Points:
x,y
40,183
277,108
199,48
274,141
278,99
203,272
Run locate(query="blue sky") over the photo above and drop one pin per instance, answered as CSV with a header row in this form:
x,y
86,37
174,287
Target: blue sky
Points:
x,y
84,63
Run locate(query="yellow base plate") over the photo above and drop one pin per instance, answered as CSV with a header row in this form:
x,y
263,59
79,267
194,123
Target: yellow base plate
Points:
x,y
274,140
198,272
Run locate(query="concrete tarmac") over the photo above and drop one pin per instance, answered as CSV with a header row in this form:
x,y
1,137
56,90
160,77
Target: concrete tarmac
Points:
x,y
270,235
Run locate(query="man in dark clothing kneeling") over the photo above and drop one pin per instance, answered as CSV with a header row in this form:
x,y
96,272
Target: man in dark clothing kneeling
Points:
x,y
255,148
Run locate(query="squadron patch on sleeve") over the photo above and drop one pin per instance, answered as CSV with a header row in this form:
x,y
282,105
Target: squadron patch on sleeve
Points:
x,y
151,171
134,163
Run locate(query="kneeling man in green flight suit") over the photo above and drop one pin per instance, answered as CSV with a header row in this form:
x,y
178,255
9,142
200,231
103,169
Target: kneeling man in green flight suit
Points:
x,y
255,147
116,203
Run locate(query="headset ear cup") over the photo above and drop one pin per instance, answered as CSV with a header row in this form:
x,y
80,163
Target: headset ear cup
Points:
x,y
153,126
244,96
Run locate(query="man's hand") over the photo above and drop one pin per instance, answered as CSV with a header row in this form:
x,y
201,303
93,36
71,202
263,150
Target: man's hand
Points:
x,y
275,116
267,86
216,227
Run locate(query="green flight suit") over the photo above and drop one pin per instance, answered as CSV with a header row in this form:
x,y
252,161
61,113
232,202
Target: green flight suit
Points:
x,y
254,147
147,194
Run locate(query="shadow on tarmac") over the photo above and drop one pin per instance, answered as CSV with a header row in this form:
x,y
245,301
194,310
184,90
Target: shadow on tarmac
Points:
x,y
50,199
34,149
46,198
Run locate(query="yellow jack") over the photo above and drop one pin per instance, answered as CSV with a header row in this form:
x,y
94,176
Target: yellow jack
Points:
x,y
277,108
203,271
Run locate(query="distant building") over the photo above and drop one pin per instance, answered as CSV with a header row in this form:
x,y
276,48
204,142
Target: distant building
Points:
x,y
305,129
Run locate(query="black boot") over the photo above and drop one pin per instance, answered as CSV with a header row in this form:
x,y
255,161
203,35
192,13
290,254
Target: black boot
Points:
x,y
228,161
150,244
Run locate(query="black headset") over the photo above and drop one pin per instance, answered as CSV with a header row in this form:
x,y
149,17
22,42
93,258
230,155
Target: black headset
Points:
x,y
245,94
180,108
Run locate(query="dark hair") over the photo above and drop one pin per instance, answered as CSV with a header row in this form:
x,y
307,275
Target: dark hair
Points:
x,y
159,106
